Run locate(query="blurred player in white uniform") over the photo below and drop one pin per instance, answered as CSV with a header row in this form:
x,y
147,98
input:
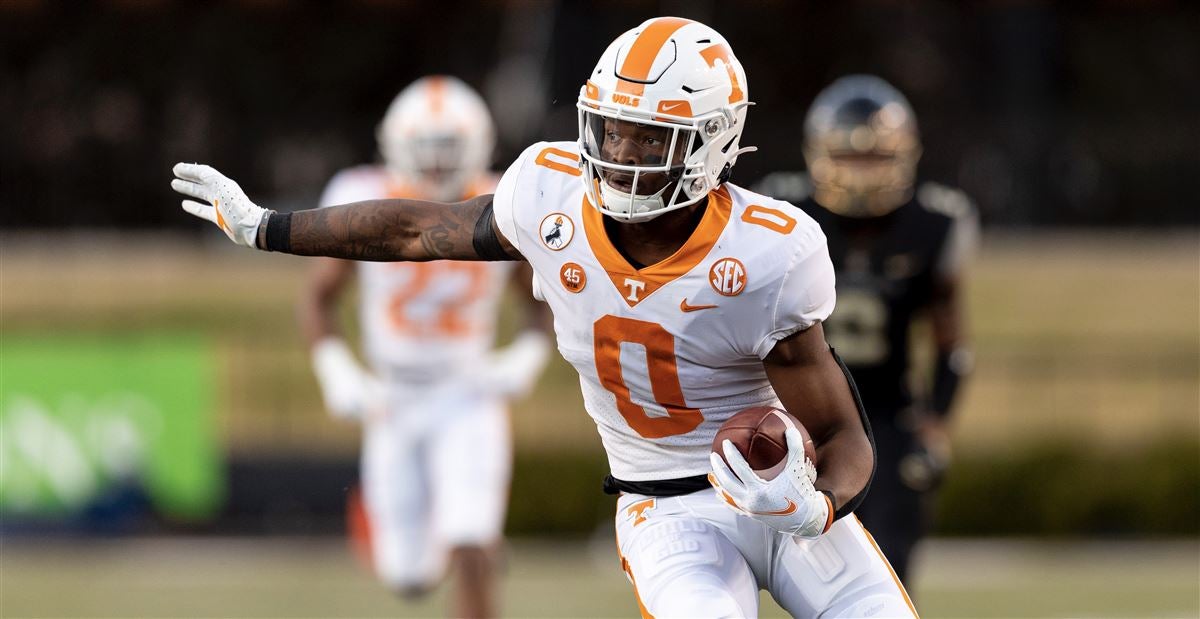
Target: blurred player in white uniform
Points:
x,y
436,453
680,299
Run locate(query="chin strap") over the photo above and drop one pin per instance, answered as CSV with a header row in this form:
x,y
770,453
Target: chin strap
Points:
x,y
652,203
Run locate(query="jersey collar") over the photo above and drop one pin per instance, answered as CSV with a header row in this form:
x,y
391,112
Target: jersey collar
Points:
x,y
635,285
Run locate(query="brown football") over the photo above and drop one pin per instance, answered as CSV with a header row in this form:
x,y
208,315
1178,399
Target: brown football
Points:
x,y
758,433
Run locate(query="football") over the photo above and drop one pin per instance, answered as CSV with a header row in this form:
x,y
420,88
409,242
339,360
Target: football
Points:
x,y
758,433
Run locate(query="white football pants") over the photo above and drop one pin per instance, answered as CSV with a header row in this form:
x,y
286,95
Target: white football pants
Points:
x,y
690,556
435,475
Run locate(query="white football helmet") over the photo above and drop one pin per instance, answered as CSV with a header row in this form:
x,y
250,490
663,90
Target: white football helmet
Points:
x,y
437,138
660,119
862,146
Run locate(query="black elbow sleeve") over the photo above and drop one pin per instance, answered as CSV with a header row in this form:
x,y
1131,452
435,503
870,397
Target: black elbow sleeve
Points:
x,y
485,240
856,500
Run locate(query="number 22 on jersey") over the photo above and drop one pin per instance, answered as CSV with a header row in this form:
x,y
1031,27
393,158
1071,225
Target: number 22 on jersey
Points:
x,y
446,289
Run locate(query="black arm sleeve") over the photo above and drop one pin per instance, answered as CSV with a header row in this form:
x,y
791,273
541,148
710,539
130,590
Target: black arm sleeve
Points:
x,y
948,373
485,241
851,505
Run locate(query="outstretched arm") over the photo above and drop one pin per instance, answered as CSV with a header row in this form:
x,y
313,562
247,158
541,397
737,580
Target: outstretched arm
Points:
x,y
378,230
390,230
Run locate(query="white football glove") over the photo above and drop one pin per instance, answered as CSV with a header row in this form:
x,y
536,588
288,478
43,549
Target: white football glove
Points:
x,y
789,503
224,202
512,371
349,390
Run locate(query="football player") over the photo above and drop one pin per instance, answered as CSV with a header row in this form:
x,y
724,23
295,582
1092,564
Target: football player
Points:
x,y
899,249
436,453
680,299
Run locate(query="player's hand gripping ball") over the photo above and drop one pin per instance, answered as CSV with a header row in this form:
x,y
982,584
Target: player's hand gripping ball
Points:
x,y
764,467
758,434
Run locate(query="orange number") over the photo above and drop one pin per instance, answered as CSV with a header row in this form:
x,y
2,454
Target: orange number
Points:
x,y
543,159
449,321
419,275
608,334
769,218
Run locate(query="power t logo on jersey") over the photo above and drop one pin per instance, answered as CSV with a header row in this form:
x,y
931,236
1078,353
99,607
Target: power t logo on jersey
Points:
x,y
635,289
638,510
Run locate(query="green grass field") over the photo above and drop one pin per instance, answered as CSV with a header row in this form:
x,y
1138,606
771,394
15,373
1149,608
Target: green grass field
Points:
x,y
227,577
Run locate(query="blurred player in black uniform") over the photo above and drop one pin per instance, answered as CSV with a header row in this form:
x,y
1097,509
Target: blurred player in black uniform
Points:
x,y
899,249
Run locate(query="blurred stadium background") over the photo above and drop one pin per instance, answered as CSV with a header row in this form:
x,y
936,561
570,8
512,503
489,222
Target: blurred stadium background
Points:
x,y
163,451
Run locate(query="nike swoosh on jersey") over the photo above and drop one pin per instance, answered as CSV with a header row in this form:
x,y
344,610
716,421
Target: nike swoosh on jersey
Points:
x,y
791,508
684,307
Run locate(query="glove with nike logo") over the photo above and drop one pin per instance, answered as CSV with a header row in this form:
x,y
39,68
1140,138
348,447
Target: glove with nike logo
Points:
x,y
223,202
788,503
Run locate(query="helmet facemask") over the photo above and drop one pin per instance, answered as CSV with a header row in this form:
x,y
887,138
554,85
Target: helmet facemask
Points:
x,y
633,164
637,169
868,184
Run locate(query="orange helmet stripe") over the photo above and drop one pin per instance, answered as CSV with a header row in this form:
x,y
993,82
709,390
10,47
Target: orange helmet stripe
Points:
x,y
437,94
644,50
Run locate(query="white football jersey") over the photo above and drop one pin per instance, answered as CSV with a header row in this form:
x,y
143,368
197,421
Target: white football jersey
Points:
x,y
666,353
421,319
